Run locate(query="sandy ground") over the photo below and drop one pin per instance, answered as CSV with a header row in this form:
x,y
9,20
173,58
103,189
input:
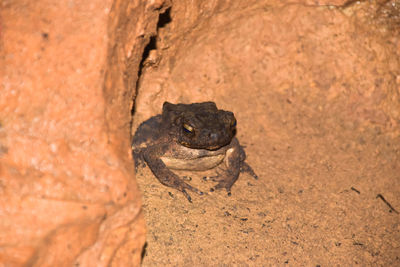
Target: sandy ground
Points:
x,y
316,202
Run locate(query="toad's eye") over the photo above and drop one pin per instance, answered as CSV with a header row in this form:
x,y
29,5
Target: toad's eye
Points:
x,y
187,128
233,123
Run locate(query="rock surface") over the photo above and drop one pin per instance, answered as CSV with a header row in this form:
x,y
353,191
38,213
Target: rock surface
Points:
x,y
316,92
67,189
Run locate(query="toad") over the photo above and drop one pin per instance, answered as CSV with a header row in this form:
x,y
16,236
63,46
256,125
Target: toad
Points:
x,y
196,137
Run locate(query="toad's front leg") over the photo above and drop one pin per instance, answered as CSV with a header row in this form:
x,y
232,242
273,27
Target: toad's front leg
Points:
x,y
231,167
152,156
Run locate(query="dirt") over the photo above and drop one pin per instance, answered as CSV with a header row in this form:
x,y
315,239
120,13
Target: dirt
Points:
x,y
316,96
314,204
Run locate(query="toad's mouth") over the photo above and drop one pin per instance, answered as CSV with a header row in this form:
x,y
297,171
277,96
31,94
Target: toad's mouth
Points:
x,y
211,147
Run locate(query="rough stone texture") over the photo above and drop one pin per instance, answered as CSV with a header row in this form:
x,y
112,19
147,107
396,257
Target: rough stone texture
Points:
x,y
316,91
68,73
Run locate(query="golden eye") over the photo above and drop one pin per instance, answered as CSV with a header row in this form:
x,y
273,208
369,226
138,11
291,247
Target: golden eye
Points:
x,y
187,128
233,123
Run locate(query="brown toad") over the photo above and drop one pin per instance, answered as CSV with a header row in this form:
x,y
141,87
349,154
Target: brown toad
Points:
x,y
194,136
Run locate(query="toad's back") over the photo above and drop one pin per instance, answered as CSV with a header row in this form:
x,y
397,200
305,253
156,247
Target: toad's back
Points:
x,y
147,133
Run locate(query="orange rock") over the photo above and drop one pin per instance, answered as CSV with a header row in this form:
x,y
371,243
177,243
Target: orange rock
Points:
x,y
67,188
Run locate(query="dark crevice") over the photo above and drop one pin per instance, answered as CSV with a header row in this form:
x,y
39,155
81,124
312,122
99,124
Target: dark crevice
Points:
x,y
163,19
150,46
144,251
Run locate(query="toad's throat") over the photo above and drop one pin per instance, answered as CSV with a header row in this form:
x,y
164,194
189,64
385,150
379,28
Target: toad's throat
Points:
x,y
194,164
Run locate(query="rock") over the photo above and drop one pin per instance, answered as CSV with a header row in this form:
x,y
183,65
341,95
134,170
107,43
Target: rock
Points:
x,y
67,188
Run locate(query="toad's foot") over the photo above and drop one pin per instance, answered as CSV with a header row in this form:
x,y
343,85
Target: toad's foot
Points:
x,y
185,186
170,179
244,167
225,180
